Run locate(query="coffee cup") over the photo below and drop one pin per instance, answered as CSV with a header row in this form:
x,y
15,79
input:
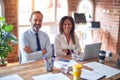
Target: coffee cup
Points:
x,y
77,71
102,54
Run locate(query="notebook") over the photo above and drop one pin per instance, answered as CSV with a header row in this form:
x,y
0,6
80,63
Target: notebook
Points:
x,y
91,51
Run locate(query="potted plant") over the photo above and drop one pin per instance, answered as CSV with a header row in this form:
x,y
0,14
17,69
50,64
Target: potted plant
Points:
x,y
6,37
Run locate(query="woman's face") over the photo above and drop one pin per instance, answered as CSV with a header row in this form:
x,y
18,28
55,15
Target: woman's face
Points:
x,y
67,26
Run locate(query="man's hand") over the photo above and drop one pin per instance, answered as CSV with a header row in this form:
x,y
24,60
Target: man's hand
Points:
x,y
27,49
44,51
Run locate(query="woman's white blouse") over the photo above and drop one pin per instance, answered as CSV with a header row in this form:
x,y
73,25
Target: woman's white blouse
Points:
x,y
61,44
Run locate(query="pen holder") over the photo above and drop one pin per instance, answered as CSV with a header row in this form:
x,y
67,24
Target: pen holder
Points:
x,y
49,65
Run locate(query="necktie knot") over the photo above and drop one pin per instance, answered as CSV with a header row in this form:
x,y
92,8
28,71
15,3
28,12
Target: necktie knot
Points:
x,y
36,34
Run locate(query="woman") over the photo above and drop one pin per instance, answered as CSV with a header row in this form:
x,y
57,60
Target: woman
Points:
x,y
66,41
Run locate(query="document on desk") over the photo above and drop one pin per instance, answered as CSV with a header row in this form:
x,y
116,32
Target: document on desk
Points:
x,y
58,64
11,77
102,69
50,76
89,75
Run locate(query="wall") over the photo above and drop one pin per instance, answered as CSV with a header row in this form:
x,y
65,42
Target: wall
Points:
x,y
108,12
11,17
118,46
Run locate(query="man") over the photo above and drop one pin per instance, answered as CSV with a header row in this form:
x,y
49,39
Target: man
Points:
x,y
31,49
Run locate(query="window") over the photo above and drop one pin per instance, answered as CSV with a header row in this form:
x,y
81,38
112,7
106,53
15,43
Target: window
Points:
x,y
24,11
52,10
86,7
1,8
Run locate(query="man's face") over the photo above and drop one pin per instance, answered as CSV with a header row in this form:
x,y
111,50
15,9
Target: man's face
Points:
x,y
36,21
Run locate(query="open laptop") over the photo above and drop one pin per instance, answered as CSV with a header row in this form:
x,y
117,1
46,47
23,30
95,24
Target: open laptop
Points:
x,y
91,51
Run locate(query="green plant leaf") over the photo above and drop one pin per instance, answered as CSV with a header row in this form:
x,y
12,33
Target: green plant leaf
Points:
x,y
9,28
2,21
2,18
14,39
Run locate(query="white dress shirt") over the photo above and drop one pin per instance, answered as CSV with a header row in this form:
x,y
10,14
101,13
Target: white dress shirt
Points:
x,y
28,39
62,44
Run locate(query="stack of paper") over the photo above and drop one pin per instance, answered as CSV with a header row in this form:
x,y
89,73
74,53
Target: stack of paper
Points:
x,y
50,76
102,69
11,77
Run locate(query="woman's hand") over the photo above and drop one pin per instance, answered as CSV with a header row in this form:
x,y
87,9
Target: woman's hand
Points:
x,y
66,51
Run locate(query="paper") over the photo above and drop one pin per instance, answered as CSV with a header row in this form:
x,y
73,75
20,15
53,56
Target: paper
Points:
x,y
12,77
102,69
58,64
50,76
42,77
90,75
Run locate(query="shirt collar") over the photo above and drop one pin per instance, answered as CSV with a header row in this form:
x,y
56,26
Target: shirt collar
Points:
x,y
63,35
33,31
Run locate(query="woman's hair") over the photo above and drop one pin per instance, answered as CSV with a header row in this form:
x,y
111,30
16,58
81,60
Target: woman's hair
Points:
x,y
61,30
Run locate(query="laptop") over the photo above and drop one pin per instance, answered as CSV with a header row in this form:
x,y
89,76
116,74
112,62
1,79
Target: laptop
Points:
x,y
91,51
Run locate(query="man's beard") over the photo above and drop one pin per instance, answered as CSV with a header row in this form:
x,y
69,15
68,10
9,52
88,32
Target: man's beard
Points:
x,y
36,27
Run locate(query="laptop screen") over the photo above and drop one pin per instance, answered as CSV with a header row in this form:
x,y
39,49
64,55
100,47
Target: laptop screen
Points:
x,y
91,51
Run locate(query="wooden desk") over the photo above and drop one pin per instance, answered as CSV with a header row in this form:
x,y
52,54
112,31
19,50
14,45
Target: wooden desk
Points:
x,y
26,71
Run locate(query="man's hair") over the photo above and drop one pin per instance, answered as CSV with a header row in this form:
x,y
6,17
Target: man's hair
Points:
x,y
36,12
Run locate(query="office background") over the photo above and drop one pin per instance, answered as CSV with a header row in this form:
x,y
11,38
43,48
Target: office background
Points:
x,y
105,11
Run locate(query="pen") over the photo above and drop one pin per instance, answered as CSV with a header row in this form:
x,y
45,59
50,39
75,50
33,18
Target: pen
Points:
x,y
102,77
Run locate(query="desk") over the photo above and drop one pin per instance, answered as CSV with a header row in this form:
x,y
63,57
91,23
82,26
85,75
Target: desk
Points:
x,y
26,71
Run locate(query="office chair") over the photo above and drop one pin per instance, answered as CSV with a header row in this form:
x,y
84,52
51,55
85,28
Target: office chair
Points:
x,y
20,58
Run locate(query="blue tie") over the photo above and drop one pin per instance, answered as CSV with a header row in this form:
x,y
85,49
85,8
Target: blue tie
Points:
x,y
38,42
